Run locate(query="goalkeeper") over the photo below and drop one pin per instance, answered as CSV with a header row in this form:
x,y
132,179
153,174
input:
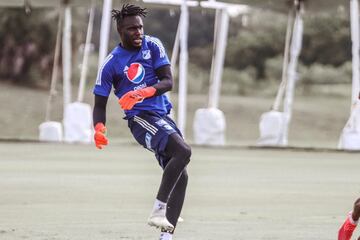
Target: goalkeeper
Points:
x,y
139,71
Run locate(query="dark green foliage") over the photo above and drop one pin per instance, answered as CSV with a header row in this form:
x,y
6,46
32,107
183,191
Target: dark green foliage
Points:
x,y
263,38
326,40
27,42
163,23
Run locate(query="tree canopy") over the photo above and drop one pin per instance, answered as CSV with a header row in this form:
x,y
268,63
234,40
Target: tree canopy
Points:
x,y
27,42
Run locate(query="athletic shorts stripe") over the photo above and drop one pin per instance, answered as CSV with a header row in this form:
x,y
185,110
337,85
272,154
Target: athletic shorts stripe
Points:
x,y
146,125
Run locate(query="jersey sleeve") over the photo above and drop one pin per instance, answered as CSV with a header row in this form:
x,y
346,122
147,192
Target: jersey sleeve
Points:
x,y
104,78
158,53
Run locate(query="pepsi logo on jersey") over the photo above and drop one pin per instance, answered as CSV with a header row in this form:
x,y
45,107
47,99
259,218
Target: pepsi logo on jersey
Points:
x,y
135,73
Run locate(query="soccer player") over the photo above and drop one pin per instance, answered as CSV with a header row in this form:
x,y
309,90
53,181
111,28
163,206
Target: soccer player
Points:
x,y
347,229
351,221
139,71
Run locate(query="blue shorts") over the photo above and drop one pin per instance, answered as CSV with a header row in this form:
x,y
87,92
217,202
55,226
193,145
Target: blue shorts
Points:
x,y
152,131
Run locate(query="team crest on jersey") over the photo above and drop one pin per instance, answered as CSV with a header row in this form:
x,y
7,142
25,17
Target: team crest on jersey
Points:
x,y
146,54
135,73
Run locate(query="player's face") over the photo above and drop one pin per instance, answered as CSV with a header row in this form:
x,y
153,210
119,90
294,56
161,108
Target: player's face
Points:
x,y
131,32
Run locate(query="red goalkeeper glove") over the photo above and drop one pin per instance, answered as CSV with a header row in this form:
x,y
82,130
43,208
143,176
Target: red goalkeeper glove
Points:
x,y
129,99
99,136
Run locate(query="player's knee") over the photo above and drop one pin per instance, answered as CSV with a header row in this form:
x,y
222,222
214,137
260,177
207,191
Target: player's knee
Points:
x,y
182,151
186,153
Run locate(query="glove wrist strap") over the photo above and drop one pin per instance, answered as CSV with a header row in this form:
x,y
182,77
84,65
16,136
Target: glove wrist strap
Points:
x,y
100,127
148,92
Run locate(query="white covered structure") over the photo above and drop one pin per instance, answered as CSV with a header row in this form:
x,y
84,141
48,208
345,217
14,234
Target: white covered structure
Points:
x,y
77,116
274,125
77,121
350,136
209,124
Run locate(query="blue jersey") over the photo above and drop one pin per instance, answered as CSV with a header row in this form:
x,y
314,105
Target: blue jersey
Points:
x,y
131,70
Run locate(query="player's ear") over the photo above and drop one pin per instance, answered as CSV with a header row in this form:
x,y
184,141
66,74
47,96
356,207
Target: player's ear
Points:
x,y
118,28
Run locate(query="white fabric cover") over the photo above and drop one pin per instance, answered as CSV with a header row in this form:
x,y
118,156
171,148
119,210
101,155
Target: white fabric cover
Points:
x,y
78,123
271,128
50,131
209,127
350,136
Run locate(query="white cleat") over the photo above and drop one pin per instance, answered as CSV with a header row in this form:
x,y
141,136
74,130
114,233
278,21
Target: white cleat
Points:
x,y
158,219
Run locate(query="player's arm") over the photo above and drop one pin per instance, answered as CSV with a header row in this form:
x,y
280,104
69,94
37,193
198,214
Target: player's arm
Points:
x,y
166,80
99,120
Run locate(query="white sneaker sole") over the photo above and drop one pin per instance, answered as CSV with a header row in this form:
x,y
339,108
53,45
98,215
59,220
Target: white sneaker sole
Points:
x,y
160,222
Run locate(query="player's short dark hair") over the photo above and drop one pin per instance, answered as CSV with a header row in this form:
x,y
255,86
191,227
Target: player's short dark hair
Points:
x,y
127,10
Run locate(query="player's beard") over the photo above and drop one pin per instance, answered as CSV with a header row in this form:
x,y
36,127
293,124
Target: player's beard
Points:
x,y
137,42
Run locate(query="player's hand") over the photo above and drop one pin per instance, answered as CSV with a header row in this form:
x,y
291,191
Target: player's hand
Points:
x,y
128,100
99,136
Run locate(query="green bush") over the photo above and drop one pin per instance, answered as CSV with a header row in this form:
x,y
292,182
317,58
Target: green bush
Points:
x,y
27,42
274,68
237,82
326,74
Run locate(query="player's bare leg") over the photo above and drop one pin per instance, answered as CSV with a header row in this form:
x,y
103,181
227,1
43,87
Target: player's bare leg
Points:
x,y
176,200
347,229
180,154
175,204
165,215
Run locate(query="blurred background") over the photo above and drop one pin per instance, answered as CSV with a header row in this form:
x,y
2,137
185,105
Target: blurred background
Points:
x,y
252,69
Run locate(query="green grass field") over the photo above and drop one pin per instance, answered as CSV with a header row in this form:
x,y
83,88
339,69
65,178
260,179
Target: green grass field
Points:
x,y
75,192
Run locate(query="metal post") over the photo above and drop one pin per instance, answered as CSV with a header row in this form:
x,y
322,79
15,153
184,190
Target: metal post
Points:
x,y
354,21
175,51
221,40
280,93
214,53
184,25
84,66
55,69
104,31
66,58
291,78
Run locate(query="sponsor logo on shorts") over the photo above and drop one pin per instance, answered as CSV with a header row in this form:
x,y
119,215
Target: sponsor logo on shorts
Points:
x,y
164,124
